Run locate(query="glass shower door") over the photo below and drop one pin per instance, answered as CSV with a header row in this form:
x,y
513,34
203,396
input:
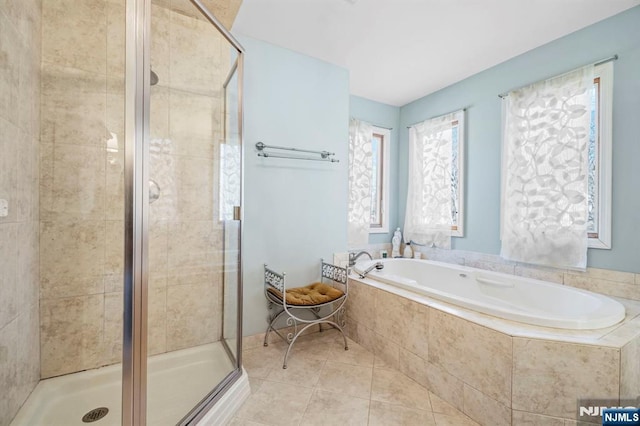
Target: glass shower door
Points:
x,y
193,254
230,201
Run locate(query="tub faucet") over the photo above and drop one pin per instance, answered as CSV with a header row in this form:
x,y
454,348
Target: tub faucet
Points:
x,y
353,256
377,266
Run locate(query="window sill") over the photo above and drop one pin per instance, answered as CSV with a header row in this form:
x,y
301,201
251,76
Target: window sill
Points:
x,y
379,230
596,243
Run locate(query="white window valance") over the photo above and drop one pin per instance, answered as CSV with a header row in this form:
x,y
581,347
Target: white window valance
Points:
x,y
544,171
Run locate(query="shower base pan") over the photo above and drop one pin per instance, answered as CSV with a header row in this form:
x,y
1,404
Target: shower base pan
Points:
x,y
177,381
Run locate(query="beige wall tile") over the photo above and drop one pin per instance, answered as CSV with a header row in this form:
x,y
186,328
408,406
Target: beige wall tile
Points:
x,y
192,316
28,266
445,385
71,334
73,106
521,418
72,257
363,335
115,35
158,246
26,178
8,273
193,121
159,121
28,350
8,370
73,184
599,285
477,355
605,274
114,247
416,336
490,266
160,48
67,286
630,370
549,377
193,247
361,303
484,409
114,178
414,367
395,321
113,310
387,351
9,168
20,47
11,44
391,387
84,46
193,194
157,328
195,60
540,273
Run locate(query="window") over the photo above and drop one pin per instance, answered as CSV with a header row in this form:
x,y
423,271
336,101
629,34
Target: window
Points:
x,y
600,154
556,168
380,142
435,191
457,168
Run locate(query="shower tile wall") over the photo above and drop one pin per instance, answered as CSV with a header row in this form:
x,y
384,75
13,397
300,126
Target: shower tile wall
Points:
x,y
19,133
82,186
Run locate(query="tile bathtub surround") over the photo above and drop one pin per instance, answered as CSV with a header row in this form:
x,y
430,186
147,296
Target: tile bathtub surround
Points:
x,y
82,181
347,387
490,375
20,47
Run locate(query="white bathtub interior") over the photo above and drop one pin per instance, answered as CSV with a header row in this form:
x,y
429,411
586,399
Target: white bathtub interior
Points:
x,y
175,380
510,297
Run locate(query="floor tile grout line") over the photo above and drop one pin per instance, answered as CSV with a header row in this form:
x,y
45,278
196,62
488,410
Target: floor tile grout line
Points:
x,y
313,392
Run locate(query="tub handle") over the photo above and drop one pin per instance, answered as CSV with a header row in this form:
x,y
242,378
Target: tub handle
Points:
x,y
494,282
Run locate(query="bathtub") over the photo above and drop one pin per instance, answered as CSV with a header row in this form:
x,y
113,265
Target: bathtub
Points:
x,y
501,295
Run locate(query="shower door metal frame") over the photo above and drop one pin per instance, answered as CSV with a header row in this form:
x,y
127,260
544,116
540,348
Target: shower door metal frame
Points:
x,y
136,216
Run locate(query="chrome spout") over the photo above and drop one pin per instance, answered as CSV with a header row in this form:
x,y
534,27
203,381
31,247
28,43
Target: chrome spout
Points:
x,y
353,256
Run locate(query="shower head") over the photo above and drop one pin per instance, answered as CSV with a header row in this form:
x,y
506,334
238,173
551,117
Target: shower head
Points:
x,y
154,78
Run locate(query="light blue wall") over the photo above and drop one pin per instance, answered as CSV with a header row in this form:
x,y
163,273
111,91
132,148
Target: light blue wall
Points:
x,y
294,211
382,115
619,34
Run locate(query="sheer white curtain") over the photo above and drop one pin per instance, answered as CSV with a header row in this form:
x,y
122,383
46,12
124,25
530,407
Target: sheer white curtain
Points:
x,y
428,217
545,177
360,174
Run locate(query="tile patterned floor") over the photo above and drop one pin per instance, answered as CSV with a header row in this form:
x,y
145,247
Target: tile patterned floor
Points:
x,y
326,385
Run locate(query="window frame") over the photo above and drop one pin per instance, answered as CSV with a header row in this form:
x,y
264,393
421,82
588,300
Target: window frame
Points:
x,y
604,73
384,164
457,230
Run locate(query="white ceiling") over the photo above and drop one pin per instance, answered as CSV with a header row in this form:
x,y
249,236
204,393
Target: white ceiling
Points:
x,y
400,50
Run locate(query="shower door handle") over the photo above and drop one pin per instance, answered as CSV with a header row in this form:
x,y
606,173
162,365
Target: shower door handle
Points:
x,y
236,212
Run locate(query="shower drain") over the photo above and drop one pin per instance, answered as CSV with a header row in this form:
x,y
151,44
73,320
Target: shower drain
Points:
x,y
95,415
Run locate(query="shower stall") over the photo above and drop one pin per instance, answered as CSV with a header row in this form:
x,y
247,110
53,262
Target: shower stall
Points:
x,y
120,211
